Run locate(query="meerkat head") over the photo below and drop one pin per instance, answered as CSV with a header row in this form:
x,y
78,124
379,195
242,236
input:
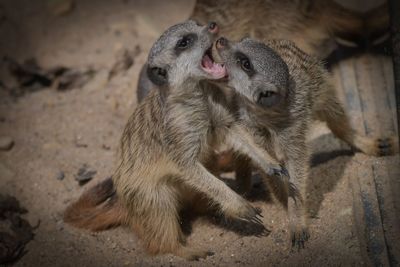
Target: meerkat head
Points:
x,y
255,71
184,52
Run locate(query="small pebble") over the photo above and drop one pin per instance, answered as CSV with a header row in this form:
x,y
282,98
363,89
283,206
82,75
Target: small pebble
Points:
x,y
84,175
6,143
60,225
60,176
106,147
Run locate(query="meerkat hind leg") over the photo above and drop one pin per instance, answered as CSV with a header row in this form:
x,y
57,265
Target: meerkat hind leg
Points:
x,y
161,230
242,174
297,163
338,121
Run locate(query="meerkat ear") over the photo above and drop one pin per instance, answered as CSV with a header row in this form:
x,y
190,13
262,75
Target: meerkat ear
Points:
x,y
158,76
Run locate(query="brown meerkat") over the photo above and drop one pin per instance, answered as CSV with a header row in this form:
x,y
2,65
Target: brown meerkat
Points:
x,y
282,90
317,27
314,25
165,147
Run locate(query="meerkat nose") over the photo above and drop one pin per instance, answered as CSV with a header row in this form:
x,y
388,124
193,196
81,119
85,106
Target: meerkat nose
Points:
x,y
221,42
213,27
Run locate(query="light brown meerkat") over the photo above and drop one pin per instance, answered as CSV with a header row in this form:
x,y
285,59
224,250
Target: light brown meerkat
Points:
x,y
98,208
282,91
167,144
316,26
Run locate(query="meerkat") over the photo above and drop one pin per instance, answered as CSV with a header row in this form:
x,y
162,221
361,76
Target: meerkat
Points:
x,y
282,89
318,27
165,147
315,26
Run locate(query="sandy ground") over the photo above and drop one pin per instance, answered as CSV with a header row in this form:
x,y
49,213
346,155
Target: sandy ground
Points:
x,y
60,131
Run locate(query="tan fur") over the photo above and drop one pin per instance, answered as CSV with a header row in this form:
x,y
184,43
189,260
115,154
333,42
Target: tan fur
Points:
x,y
169,142
312,24
314,81
316,26
97,209
306,93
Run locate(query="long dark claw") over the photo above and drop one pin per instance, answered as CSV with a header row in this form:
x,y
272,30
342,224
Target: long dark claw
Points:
x,y
210,253
258,211
299,239
384,146
284,171
256,220
264,232
280,172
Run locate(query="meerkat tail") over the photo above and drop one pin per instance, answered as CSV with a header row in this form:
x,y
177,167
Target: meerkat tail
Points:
x,y
97,209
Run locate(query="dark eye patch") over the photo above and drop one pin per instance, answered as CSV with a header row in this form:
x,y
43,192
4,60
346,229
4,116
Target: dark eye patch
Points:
x,y
245,63
268,98
158,76
185,42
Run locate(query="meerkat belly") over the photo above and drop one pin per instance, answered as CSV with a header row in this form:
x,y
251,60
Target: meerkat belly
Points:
x,y
221,120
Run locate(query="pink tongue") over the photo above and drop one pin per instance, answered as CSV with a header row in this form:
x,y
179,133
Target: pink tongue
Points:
x,y
216,70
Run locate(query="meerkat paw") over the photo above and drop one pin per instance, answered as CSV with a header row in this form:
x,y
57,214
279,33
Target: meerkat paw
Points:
x,y
386,146
378,147
298,228
277,170
242,210
299,236
280,172
193,254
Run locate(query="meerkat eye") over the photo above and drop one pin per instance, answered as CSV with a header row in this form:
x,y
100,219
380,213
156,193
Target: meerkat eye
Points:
x,y
185,42
268,98
246,65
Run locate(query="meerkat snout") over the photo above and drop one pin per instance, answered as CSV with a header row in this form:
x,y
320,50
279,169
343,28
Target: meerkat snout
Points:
x,y
221,43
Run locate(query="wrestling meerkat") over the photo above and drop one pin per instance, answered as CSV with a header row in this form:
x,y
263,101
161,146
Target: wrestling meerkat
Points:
x,y
315,26
282,90
165,147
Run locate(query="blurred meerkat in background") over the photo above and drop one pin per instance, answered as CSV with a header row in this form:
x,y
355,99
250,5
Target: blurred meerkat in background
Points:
x,y
316,26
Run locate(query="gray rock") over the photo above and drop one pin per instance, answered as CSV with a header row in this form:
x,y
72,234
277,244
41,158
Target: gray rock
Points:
x,y
60,176
84,175
6,143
